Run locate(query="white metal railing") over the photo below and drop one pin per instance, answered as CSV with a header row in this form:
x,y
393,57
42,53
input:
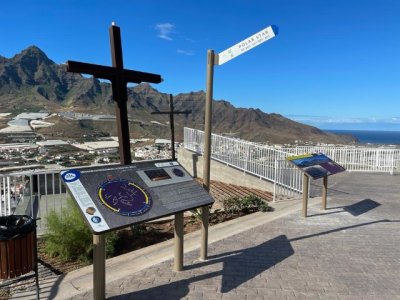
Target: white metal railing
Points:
x,y
358,159
270,163
263,161
33,193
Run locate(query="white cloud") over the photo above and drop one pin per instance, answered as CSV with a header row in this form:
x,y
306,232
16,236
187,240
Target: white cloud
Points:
x,y
329,120
165,30
324,119
184,52
395,120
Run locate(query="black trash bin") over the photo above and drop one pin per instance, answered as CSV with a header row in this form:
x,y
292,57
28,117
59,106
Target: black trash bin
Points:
x,y
18,252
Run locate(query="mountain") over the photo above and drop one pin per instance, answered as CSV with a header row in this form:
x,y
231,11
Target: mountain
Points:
x,y
30,81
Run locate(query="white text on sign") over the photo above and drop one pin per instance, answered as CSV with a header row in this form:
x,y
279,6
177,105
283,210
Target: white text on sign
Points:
x,y
247,44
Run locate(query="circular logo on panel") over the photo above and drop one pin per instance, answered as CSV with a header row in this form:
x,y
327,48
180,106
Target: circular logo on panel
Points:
x,y
96,219
124,197
71,175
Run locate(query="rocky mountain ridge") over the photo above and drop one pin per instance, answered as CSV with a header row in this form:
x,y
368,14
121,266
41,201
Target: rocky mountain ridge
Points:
x,y
32,81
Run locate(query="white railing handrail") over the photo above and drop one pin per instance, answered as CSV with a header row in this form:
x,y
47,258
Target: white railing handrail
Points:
x,y
263,161
260,159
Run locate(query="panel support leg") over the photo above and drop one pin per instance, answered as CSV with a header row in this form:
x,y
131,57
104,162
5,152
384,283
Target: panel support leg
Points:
x,y
178,242
205,212
324,192
99,267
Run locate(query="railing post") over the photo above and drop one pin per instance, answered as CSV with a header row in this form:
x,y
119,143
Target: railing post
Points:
x,y
31,193
275,175
8,196
1,197
392,163
305,195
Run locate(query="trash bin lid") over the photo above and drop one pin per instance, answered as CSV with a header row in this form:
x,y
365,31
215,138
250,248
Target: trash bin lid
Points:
x,y
16,225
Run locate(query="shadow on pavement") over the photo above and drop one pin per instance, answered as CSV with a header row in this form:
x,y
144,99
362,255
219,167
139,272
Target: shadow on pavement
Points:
x,y
327,213
355,209
361,207
248,263
342,228
238,267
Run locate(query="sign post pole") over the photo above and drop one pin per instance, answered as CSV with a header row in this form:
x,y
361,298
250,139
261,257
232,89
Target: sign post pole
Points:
x,y
207,150
305,194
219,59
324,192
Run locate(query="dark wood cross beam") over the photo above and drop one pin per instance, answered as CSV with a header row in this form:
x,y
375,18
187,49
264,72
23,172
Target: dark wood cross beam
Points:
x,y
171,114
119,78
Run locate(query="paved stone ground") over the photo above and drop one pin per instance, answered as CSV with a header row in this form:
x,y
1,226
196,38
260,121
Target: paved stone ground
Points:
x,y
350,251
28,286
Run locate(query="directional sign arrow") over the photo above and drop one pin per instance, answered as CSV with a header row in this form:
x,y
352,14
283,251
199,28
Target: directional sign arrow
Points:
x,y
247,44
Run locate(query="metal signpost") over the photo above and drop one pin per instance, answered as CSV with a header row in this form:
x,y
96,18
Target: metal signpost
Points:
x,y
316,166
219,59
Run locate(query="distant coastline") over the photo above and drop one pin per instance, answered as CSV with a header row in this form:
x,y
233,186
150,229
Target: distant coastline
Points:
x,y
377,137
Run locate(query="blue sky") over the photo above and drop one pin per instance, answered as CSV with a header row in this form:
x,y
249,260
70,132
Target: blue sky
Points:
x,y
334,64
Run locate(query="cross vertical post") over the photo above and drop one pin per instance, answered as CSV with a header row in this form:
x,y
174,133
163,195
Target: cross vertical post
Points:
x,y
119,78
121,97
172,125
171,114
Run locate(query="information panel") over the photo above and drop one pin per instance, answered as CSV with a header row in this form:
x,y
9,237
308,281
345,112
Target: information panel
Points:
x,y
316,165
113,197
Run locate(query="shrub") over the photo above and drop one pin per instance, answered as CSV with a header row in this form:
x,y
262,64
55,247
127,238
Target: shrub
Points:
x,y
69,238
235,205
231,205
254,202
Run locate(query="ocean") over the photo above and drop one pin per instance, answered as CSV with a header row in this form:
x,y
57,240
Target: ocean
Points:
x,y
372,137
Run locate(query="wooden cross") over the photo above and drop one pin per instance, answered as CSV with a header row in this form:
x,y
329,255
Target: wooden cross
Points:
x,y
119,78
171,114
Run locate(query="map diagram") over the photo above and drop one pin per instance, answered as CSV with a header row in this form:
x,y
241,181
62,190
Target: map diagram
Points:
x,y
316,165
124,198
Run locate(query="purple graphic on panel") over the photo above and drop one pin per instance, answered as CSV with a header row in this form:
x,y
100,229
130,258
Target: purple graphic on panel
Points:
x,y
124,197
